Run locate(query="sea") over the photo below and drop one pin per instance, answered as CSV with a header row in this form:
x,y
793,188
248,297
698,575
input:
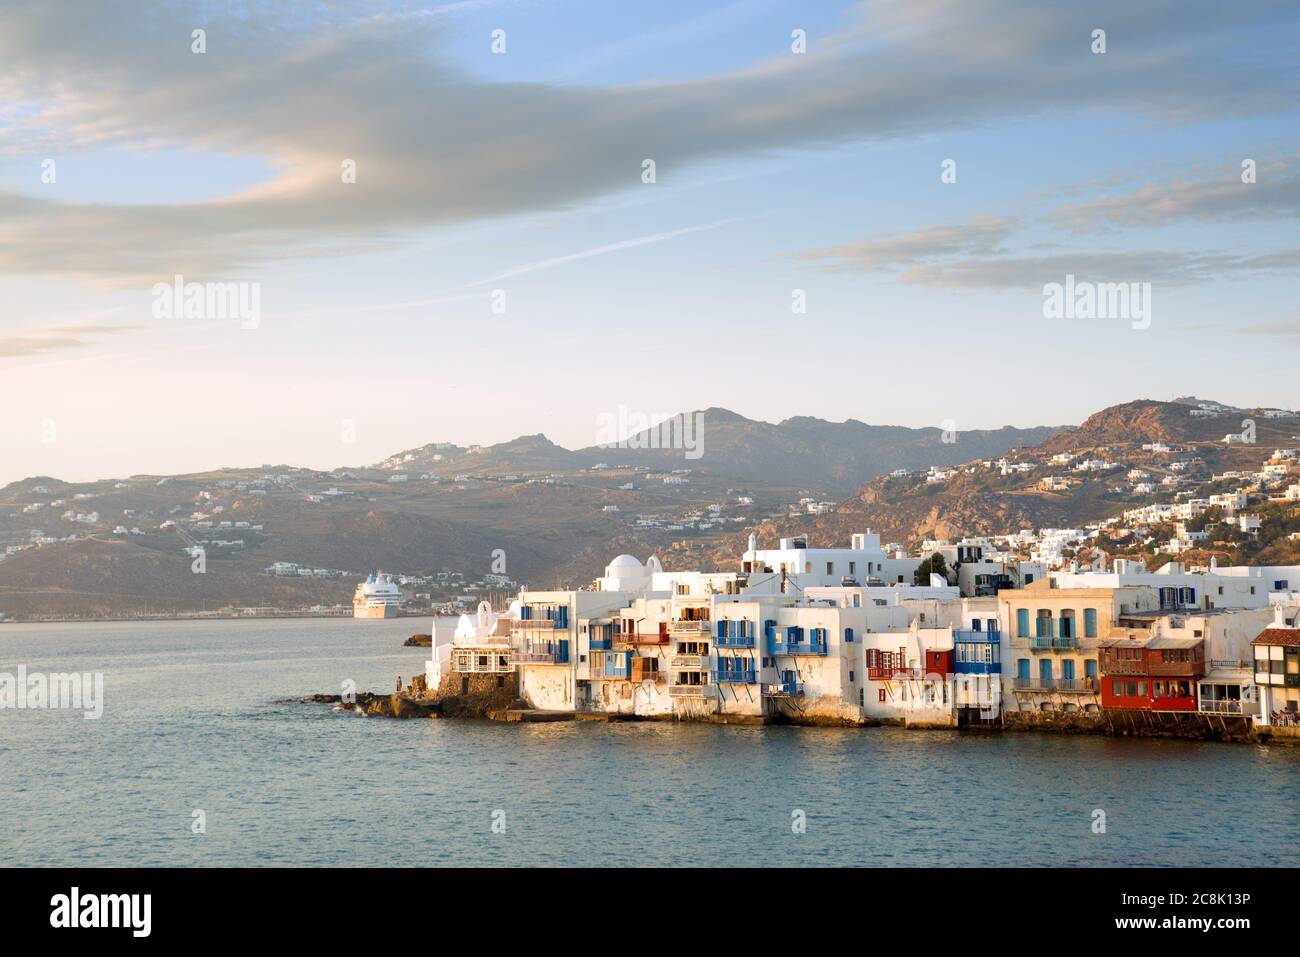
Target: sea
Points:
x,y
205,754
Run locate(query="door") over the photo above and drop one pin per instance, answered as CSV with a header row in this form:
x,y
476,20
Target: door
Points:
x,y
1045,671
1022,669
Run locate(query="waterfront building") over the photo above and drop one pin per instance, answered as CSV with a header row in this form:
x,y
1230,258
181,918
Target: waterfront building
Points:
x,y
1158,674
1053,639
1277,675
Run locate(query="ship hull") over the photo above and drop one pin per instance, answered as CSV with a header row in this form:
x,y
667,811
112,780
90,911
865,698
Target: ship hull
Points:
x,y
374,611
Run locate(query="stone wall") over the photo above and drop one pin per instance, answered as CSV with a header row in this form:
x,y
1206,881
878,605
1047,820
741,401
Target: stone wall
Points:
x,y
474,695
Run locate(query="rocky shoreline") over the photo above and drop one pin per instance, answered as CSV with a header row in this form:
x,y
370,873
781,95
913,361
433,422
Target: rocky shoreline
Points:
x,y
495,698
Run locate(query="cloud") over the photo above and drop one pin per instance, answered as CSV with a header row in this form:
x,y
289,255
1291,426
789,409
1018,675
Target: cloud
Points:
x,y
435,146
1275,195
976,237
58,339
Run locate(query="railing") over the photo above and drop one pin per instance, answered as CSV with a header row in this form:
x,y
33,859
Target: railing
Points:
x,y
894,674
1040,643
977,668
494,665
783,689
1123,666
1068,685
688,628
737,676
734,641
644,638
554,656
969,634
689,662
688,691
1221,707
805,647
532,624
602,644
1065,644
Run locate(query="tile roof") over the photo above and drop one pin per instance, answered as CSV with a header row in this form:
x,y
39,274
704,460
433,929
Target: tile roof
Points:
x,y
1279,636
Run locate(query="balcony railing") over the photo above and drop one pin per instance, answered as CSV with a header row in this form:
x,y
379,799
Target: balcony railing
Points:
x,y
558,655
689,691
644,637
783,689
532,625
734,641
894,674
688,629
1058,643
494,665
737,676
967,634
1064,685
689,662
1221,707
805,647
602,644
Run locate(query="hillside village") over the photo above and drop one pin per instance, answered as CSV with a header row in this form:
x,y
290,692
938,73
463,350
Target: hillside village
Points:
x,y
1191,481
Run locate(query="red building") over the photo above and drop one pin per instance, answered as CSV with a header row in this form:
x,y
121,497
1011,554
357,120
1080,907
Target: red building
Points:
x,y
939,662
1158,674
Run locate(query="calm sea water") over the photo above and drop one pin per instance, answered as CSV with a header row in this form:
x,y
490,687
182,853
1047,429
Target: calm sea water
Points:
x,y
196,718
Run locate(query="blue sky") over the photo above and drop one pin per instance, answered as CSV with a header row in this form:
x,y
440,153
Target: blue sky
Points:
x,y
522,172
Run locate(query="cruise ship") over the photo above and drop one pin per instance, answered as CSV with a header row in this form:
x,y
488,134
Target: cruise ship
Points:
x,y
377,597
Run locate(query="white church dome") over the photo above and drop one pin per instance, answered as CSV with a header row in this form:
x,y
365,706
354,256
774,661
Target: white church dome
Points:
x,y
625,566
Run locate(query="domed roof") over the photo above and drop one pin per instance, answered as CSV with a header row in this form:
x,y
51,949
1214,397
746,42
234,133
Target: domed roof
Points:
x,y
625,566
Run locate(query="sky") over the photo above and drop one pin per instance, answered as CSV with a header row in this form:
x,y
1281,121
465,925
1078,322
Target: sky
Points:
x,y
445,215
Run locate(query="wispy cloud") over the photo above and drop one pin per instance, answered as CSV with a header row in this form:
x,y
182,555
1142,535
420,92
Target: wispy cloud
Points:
x,y
57,339
435,146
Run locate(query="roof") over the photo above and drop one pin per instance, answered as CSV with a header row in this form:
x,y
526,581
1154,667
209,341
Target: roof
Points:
x,y
1279,636
1171,642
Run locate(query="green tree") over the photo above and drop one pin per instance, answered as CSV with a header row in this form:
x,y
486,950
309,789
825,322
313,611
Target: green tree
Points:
x,y
934,564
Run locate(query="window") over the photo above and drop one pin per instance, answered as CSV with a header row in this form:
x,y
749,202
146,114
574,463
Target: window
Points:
x,y
882,695
852,677
1022,622
1090,623
830,568
853,568
848,634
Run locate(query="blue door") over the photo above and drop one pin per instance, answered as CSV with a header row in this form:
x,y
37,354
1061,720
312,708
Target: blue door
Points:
x,y
1067,669
1045,670
1022,669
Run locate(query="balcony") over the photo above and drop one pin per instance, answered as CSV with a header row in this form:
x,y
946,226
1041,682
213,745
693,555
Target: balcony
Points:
x,y
891,673
1221,707
533,626
689,662
734,641
644,637
736,676
977,668
602,644
783,688
1061,685
689,691
797,646
556,653
688,629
